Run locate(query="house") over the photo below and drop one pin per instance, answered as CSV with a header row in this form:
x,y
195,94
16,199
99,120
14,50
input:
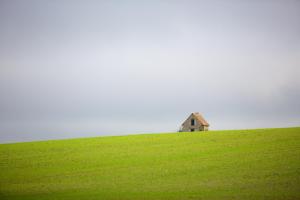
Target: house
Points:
x,y
195,122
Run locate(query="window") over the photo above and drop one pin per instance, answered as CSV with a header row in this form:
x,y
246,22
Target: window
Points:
x,y
192,122
192,129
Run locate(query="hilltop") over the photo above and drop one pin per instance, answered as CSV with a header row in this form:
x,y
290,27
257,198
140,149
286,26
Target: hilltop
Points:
x,y
237,164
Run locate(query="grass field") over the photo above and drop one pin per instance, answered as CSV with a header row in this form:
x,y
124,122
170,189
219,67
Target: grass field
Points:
x,y
239,164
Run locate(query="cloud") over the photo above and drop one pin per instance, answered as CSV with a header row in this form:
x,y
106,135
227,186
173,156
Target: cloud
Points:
x,y
79,69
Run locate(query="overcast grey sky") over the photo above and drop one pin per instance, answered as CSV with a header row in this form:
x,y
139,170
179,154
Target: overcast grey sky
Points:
x,y
91,68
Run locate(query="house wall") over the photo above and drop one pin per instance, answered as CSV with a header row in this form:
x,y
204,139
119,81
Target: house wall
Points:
x,y
186,126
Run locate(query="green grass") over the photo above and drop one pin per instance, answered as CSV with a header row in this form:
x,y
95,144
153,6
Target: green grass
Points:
x,y
239,164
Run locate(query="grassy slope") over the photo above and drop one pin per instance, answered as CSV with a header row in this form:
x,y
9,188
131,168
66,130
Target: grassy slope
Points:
x,y
241,164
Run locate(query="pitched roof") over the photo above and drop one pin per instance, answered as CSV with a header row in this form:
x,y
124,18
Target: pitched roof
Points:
x,y
200,119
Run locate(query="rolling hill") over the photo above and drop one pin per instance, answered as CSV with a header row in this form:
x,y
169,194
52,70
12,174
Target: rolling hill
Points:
x,y
233,164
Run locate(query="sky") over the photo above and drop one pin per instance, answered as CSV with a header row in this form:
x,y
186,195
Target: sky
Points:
x,y
83,68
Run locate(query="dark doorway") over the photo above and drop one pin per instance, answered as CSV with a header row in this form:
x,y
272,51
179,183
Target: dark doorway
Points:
x,y
192,129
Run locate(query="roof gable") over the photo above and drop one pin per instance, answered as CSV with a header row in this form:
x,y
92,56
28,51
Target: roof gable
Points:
x,y
198,117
